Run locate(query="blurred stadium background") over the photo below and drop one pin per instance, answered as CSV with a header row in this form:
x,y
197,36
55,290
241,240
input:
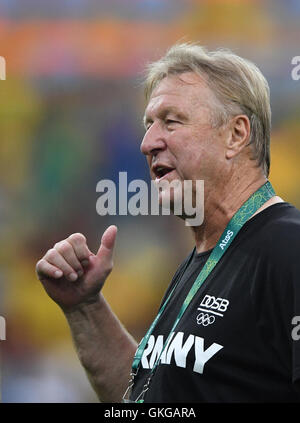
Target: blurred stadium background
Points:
x,y
70,115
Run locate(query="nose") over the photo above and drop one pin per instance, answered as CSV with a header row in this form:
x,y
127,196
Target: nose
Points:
x,y
153,140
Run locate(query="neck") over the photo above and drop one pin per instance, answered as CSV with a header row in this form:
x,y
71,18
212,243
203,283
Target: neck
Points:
x,y
221,205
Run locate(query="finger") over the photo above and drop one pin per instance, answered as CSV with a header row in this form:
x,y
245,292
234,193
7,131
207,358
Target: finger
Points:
x,y
66,250
53,257
108,239
78,242
45,269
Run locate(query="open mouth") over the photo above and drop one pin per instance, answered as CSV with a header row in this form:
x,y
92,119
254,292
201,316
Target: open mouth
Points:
x,y
161,171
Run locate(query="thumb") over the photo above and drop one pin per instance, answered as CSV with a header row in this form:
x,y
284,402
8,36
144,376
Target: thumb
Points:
x,y
108,239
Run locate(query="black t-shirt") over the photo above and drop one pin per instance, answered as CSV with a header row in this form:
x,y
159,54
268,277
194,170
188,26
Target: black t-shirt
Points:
x,y
234,343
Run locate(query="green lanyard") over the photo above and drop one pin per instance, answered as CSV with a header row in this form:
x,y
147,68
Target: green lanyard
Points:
x,y
248,209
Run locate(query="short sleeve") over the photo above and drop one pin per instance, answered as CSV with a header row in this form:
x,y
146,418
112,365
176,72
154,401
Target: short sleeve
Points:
x,y
276,295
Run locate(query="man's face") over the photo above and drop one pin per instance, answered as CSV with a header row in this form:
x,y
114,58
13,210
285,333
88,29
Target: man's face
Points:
x,y
180,142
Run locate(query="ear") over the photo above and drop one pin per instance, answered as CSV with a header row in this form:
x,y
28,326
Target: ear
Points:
x,y
239,135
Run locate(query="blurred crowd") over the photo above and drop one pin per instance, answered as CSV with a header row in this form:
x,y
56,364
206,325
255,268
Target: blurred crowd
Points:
x,y
70,115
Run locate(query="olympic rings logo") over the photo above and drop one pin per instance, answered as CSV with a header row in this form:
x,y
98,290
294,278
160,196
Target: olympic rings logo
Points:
x,y
205,319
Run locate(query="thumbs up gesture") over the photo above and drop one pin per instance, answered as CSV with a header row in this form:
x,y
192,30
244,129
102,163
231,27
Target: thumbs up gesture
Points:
x,y
71,274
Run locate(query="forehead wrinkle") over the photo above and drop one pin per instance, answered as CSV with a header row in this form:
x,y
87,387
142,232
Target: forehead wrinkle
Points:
x,y
201,96
198,81
162,107
163,111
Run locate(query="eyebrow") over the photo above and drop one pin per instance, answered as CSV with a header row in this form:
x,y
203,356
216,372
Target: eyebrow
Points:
x,y
165,112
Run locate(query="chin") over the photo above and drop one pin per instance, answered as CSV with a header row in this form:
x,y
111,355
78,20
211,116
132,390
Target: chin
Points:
x,y
169,202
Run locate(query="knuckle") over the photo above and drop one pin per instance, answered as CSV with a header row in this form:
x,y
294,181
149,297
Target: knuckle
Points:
x,y
77,238
51,254
63,247
57,245
41,268
39,265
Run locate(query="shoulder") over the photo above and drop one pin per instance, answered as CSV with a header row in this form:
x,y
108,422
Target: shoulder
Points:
x,y
277,233
281,220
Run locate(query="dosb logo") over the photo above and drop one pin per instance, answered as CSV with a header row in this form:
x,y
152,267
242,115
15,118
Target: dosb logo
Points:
x,y
213,303
210,307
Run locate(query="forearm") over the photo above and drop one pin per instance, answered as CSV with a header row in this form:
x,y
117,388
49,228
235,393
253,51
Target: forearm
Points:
x,y
104,347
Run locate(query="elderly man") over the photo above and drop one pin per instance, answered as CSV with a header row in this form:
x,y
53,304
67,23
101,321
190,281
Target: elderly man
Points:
x,y
223,331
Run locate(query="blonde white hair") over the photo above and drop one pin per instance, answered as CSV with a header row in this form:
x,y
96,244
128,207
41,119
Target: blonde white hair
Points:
x,y
237,83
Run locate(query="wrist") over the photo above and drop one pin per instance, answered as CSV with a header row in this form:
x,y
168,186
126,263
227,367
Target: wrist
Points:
x,y
90,303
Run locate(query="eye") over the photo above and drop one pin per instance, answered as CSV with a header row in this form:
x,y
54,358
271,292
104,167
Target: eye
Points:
x,y
148,125
171,122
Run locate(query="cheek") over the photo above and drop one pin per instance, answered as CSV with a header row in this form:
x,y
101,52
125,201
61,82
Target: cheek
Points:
x,y
195,161
200,164
194,155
